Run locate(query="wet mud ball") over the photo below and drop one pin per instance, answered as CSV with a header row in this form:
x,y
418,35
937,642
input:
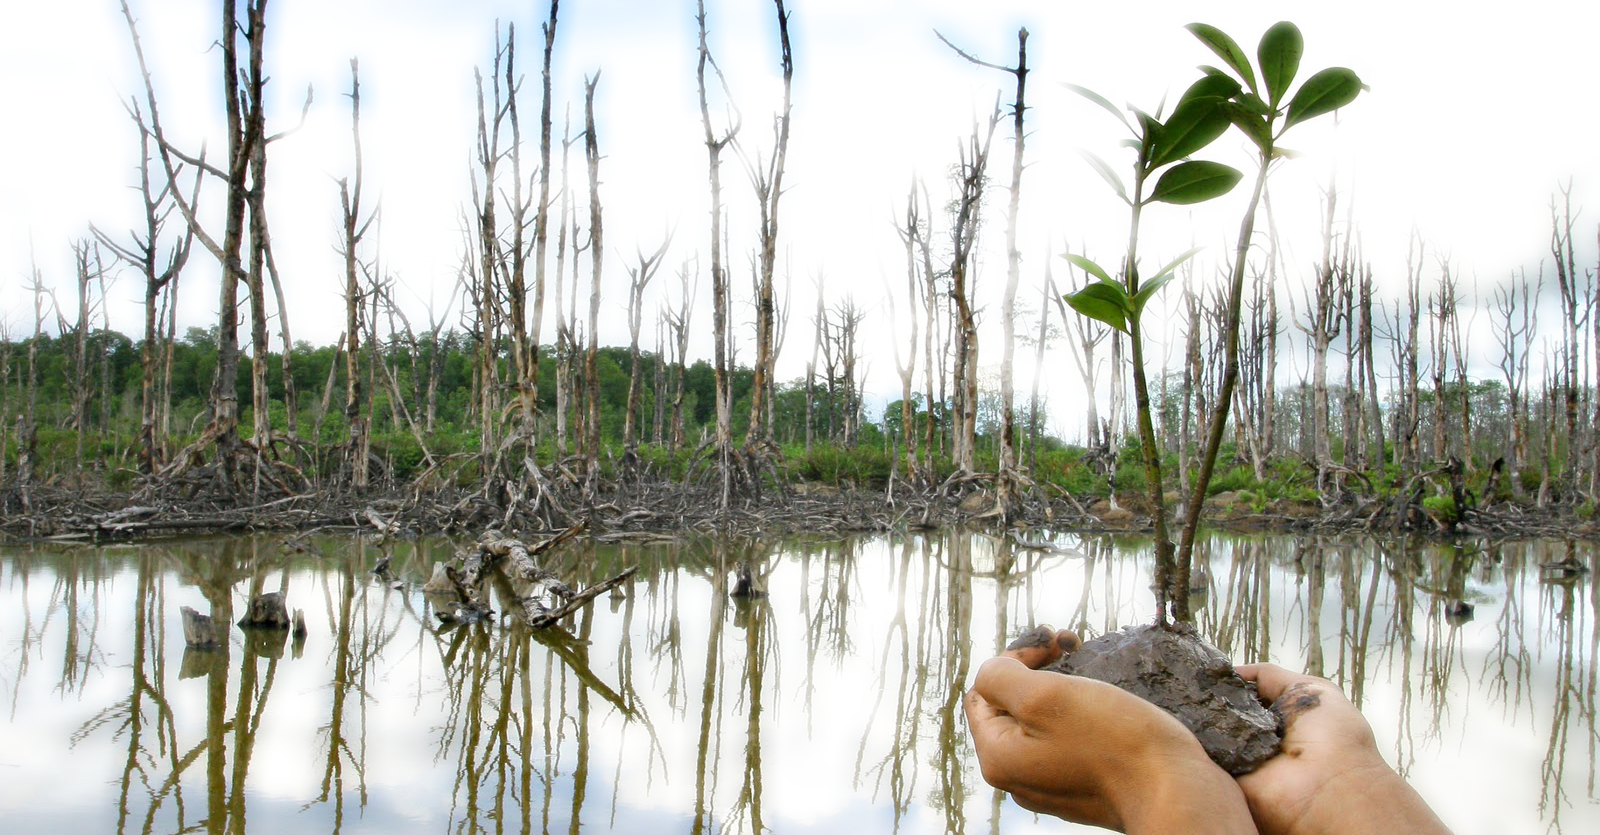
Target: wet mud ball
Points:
x,y
1174,669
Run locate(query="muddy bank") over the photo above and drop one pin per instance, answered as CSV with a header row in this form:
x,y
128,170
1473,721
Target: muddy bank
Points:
x,y
665,508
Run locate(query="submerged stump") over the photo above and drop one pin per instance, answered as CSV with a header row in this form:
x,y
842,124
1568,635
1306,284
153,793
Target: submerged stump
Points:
x,y
266,611
199,631
1190,679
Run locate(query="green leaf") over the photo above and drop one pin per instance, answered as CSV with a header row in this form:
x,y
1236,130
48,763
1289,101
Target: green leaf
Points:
x,y
1226,49
1100,100
1325,91
1168,269
1196,123
1211,85
1102,302
1089,267
1279,54
1253,124
1195,181
1105,172
1147,291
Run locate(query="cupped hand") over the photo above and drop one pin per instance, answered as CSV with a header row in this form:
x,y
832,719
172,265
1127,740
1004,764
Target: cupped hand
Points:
x,y
1330,777
1091,752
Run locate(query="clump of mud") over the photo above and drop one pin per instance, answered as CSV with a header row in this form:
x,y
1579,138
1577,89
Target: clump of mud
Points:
x,y
1190,679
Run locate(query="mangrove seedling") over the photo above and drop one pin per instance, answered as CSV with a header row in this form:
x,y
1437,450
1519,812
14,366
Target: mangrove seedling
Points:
x,y
1260,105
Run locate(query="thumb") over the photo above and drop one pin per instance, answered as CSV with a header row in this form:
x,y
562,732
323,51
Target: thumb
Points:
x,y
1042,645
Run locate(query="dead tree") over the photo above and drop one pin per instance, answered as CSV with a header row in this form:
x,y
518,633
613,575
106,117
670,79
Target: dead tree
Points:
x,y
819,322
354,228
715,143
1323,322
1371,397
931,367
513,266
767,180
1006,486
88,268
564,323
1442,307
491,117
27,422
541,216
1572,310
1040,340
1084,335
1515,324
591,153
640,278
6,347
971,180
679,321
906,367
244,175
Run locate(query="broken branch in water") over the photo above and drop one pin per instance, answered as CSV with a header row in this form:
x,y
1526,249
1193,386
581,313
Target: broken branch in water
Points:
x,y
539,597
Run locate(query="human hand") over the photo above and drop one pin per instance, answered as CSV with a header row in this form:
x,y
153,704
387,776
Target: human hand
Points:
x,y
1091,752
1330,777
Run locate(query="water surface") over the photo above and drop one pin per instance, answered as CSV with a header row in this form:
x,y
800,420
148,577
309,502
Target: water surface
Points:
x,y
832,706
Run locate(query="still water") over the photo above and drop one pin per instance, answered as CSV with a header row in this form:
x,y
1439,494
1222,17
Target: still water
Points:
x,y
832,706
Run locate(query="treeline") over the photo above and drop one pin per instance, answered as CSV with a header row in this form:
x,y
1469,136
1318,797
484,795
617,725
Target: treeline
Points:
x,y
83,395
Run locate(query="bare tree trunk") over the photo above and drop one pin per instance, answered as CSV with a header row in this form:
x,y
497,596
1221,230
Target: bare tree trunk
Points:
x,y
489,255
1442,314
1369,362
1567,278
78,419
1043,337
27,422
355,407
679,321
640,279
564,334
970,182
1323,323
907,366
719,278
514,265
541,217
591,153
768,184
934,404
260,245
658,417
820,323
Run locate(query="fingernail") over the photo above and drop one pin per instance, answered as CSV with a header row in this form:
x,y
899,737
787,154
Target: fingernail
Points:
x,y
1039,636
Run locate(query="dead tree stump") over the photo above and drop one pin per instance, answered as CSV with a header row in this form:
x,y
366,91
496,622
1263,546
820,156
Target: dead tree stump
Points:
x,y
267,611
199,631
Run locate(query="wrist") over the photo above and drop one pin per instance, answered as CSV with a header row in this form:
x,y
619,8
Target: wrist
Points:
x,y
1194,797
1372,798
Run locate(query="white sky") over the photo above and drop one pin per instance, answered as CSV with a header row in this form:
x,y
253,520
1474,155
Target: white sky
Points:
x,y
1476,113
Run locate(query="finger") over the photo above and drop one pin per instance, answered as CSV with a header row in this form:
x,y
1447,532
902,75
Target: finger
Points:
x,y
1009,686
987,724
1041,646
1270,679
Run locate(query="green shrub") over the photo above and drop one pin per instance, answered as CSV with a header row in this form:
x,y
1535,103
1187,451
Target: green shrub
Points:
x,y
1237,477
1442,507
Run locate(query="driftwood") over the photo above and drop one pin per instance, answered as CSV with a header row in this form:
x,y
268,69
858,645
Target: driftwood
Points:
x,y
535,594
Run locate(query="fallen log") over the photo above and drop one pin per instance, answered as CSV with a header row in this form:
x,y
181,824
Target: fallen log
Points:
x,y
535,594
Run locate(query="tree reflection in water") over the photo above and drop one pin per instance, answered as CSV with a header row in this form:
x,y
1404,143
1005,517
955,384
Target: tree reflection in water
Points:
x,y
666,708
